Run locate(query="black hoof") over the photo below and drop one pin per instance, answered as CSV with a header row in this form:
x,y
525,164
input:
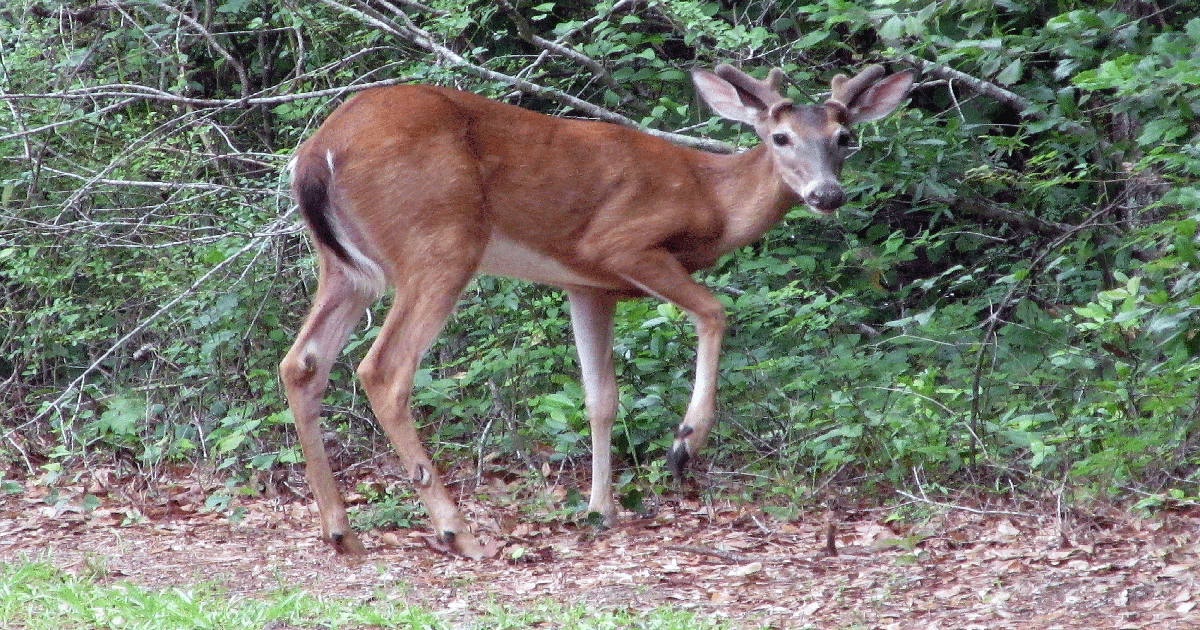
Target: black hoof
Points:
x,y
346,544
677,460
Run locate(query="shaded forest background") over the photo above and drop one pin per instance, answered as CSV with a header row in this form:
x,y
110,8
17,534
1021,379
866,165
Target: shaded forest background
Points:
x,y
1008,305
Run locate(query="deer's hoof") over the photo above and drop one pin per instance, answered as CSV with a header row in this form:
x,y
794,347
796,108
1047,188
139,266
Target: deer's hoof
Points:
x,y
677,459
347,543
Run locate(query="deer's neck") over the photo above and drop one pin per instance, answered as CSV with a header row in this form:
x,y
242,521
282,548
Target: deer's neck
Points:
x,y
753,197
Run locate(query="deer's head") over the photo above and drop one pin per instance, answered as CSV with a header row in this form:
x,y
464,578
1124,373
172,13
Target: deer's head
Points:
x,y
808,143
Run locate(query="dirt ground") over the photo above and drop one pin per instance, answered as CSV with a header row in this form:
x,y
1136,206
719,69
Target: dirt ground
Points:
x,y
965,568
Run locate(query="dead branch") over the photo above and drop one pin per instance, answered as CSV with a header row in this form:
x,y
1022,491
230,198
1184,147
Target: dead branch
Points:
x,y
581,27
408,32
1024,107
994,212
132,91
216,46
963,508
993,321
728,556
281,225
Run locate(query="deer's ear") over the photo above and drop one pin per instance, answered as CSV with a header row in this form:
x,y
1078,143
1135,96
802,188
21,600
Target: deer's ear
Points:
x,y
726,100
881,98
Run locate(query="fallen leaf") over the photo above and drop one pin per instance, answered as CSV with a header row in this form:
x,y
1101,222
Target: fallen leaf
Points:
x,y
744,570
1006,529
720,597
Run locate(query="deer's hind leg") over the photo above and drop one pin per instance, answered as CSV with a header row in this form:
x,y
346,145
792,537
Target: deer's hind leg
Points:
x,y
433,246
337,307
421,307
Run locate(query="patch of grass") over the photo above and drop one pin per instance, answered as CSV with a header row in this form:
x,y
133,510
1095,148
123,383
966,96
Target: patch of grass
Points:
x,y
37,596
549,614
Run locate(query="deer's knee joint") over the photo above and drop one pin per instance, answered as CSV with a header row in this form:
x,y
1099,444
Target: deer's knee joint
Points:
x,y
714,317
298,368
370,373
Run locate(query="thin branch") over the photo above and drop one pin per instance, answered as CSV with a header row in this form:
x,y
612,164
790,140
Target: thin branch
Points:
x,y
215,45
995,212
582,26
728,556
1025,107
993,320
408,32
414,5
952,506
71,121
124,90
279,225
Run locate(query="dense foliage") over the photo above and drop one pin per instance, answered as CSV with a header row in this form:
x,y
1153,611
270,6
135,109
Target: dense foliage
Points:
x,y
1010,299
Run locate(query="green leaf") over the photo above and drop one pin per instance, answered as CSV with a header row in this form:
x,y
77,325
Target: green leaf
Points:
x,y
1161,130
811,39
892,29
1011,73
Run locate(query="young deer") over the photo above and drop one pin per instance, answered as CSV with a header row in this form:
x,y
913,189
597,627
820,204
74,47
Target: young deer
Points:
x,y
421,188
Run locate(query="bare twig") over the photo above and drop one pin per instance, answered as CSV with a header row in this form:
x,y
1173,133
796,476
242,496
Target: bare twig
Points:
x,y
414,5
1025,107
408,32
124,90
728,556
581,27
70,121
961,508
215,45
993,321
995,212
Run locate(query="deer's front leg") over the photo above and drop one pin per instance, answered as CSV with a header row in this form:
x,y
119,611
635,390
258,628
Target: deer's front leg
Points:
x,y
661,275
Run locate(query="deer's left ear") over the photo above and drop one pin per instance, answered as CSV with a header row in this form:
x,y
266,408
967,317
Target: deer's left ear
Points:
x,y
882,98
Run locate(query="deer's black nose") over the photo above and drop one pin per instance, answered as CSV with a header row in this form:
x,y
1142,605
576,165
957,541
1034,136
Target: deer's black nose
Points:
x,y
826,197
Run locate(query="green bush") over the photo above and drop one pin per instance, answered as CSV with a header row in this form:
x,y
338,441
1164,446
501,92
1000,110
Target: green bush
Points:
x,y
1008,301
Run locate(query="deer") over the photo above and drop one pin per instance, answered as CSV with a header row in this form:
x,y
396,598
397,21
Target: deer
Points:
x,y
420,188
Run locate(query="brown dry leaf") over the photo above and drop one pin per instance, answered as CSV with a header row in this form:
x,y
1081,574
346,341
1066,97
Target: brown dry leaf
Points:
x,y
720,597
979,572
867,534
1006,529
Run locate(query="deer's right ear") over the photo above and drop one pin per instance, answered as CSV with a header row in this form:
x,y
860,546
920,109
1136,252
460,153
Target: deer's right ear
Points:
x,y
725,99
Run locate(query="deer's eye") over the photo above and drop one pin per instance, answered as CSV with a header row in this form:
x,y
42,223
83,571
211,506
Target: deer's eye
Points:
x,y
844,139
781,139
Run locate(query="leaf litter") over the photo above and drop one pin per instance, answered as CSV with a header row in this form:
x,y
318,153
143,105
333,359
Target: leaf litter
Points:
x,y
960,569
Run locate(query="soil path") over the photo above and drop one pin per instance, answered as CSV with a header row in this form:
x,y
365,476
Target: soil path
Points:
x,y
961,570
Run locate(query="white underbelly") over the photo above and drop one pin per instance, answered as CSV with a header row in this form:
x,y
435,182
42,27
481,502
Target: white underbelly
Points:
x,y
510,259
